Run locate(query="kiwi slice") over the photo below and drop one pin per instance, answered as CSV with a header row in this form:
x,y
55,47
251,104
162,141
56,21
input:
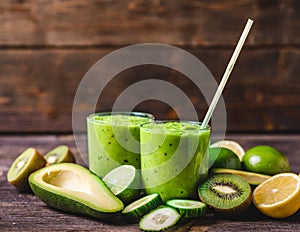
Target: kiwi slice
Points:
x,y
188,208
60,154
26,163
228,193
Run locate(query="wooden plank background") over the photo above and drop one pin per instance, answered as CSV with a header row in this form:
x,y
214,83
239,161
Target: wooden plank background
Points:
x,y
47,46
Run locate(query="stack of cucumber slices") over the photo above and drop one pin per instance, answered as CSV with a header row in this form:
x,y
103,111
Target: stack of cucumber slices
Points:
x,y
64,185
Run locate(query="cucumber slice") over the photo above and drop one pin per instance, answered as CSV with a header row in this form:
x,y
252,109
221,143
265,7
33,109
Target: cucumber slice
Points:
x,y
140,207
159,219
124,182
188,208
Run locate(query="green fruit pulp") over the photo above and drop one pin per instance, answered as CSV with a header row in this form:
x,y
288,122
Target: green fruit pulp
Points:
x,y
114,140
174,158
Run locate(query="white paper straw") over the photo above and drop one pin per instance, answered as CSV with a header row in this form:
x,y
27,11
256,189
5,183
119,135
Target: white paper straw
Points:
x,y
227,74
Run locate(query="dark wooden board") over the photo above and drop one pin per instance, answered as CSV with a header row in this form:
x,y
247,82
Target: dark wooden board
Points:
x,y
123,22
37,88
46,47
25,212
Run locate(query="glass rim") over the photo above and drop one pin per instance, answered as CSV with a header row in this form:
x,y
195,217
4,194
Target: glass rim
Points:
x,y
126,113
142,126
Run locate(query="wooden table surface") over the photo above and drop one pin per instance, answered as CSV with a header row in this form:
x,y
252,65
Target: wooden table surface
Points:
x,y
25,212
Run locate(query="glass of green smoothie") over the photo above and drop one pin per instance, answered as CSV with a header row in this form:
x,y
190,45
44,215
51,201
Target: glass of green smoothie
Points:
x,y
114,140
174,158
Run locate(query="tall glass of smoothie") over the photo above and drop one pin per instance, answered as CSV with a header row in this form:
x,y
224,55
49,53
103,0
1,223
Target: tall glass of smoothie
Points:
x,y
174,158
114,140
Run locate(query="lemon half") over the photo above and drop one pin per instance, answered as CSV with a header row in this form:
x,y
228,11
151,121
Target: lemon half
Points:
x,y
279,196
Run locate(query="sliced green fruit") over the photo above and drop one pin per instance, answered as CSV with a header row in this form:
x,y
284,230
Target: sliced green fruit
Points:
x,y
27,162
159,219
251,177
125,182
142,206
188,208
73,188
231,145
226,193
223,158
265,160
60,154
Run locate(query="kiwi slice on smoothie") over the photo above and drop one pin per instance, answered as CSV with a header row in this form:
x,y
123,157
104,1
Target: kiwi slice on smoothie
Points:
x,y
26,163
226,193
60,154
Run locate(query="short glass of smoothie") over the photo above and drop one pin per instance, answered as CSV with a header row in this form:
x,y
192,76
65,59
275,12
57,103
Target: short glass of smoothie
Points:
x,y
174,158
114,140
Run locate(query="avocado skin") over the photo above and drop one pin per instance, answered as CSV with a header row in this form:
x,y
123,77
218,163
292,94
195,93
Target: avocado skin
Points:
x,y
66,204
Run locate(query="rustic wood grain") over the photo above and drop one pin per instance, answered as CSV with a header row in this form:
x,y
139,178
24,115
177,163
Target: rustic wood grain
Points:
x,y
123,22
47,46
25,212
37,88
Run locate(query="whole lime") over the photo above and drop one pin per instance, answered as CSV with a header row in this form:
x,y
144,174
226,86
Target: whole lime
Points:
x,y
223,158
266,160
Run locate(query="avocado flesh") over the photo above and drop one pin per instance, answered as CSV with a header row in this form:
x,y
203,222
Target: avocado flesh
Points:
x,y
72,188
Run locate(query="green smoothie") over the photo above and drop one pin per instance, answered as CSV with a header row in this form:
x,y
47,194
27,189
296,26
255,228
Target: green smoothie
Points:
x,y
114,140
174,158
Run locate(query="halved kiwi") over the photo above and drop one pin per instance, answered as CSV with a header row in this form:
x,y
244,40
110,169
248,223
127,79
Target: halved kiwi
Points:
x,y
60,154
228,193
26,163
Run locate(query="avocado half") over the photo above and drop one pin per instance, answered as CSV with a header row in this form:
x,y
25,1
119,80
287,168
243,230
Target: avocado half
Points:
x,y
72,188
